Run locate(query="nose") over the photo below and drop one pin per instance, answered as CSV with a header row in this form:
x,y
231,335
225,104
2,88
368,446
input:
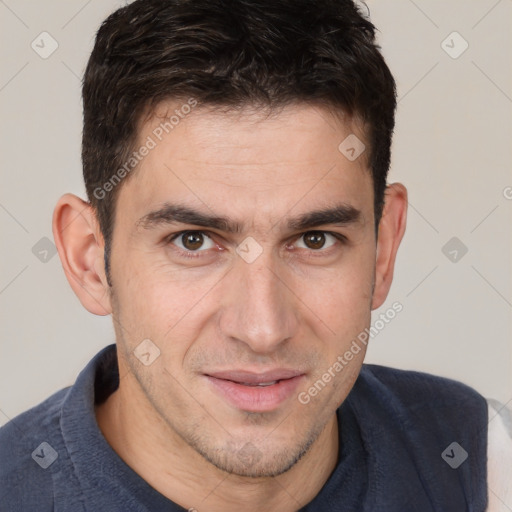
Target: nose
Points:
x,y
259,307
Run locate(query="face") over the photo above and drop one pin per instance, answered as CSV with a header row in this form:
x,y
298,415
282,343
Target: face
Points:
x,y
244,248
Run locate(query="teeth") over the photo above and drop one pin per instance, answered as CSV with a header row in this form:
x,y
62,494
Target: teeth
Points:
x,y
260,384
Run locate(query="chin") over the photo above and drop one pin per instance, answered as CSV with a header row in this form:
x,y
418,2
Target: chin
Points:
x,y
249,462
258,459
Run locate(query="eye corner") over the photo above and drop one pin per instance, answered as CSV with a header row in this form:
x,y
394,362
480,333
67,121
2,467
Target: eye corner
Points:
x,y
330,240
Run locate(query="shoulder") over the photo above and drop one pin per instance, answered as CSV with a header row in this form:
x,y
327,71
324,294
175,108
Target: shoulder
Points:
x,y
417,405
424,427
29,445
499,456
419,390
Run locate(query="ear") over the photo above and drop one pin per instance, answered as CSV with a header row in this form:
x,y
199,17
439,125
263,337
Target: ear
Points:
x,y
391,231
80,244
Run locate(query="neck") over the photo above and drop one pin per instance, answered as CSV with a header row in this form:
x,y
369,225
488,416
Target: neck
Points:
x,y
158,455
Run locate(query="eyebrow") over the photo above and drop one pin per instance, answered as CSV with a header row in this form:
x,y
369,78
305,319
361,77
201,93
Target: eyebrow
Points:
x,y
339,215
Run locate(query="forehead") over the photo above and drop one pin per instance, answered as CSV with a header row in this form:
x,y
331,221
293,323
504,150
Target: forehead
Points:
x,y
247,161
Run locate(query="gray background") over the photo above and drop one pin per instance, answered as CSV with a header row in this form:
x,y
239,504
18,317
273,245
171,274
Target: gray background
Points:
x,y
451,149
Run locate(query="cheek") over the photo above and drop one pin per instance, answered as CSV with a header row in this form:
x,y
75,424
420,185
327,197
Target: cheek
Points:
x,y
341,297
166,307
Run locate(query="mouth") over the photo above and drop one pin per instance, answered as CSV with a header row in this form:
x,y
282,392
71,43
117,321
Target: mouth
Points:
x,y
255,392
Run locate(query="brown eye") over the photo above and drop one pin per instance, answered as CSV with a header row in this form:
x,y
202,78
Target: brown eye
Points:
x,y
314,239
193,241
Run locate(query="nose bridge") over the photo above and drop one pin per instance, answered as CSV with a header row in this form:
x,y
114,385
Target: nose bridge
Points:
x,y
259,309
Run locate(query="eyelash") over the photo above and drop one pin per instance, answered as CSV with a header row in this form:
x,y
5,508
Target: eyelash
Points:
x,y
181,252
197,254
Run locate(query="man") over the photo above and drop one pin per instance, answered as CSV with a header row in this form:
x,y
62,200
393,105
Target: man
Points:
x,y
240,231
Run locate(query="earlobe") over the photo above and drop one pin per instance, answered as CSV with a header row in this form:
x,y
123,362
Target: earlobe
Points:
x,y
80,245
391,230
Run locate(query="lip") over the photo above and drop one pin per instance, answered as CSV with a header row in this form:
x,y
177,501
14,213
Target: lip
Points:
x,y
240,388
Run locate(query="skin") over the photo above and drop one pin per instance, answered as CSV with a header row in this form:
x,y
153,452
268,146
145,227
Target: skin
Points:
x,y
292,307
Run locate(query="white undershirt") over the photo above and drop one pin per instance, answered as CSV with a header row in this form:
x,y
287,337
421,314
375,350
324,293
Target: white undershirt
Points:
x,y
499,457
